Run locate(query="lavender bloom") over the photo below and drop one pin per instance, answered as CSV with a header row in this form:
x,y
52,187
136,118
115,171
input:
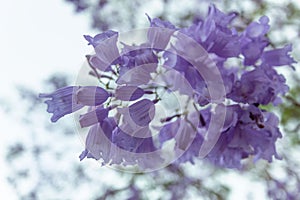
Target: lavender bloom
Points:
x,y
95,143
177,82
63,102
149,158
180,74
278,57
188,80
83,154
129,93
133,56
252,50
107,53
130,127
159,33
137,62
188,140
194,79
125,141
98,141
100,38
156,22
192,151
256,30
175,61
93,117
185,134
146,146
168,131
219,17
254,133
261,85
133,144
122,131
214,35
142,112
91,95
253,41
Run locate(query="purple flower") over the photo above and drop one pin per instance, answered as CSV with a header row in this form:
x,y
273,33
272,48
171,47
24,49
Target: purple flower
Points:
x,y
176,81
95,143
99,38
125,141
252,50
188,140
219,17
192,151
159,33
129,93
261,85
98,141
214,35
195,79
254,133
174,61
63,102
146,146
196,65
93,117
253,41
156,22
137,62
91,95
168,131
107,53
129,126
137,55
142,112
278,57
133,56
257,30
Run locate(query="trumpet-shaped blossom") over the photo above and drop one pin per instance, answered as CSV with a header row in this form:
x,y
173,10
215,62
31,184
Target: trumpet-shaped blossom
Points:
x,y
142,112
129,93
93,117
278,57
105,45
253,134
261,85
91,95
62,102
161,91
100,38
159,33
254,41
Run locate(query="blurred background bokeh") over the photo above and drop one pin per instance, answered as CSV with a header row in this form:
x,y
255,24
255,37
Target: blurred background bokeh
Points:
x,y
42,49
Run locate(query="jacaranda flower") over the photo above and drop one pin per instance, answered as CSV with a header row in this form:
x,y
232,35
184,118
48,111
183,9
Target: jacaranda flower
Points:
x,y
63,102
211,107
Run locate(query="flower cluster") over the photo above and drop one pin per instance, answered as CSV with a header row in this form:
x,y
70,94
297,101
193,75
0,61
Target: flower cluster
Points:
x,y
219,118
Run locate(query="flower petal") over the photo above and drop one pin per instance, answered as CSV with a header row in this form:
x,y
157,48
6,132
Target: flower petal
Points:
x,y
91,95
129,93
93,117
278,57
142,112
62,102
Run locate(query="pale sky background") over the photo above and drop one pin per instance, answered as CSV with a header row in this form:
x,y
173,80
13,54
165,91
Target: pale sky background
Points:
x,y
38,38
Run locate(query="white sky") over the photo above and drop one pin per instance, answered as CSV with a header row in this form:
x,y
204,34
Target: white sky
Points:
x,y
38,37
